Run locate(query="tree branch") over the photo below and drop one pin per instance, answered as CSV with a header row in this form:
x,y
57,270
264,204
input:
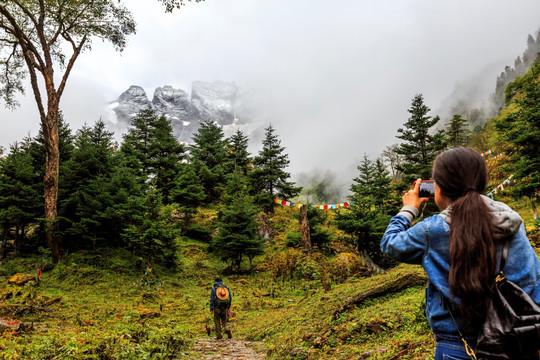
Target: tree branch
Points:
x,y
76,52
25,43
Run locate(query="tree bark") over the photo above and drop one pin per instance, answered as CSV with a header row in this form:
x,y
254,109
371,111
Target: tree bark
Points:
x,y
403,282
50,181
305,234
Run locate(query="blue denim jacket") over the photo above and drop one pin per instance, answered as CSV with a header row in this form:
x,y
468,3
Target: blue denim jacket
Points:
x,y
426,243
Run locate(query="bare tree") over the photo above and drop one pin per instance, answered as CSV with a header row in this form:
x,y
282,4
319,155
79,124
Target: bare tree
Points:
x,y
390,154
43,39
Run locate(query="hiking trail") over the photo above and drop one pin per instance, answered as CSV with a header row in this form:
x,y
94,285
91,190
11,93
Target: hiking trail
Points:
x,y
227,349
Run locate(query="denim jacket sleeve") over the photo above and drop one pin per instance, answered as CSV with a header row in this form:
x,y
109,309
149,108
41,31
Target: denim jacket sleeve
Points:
x,y
403,242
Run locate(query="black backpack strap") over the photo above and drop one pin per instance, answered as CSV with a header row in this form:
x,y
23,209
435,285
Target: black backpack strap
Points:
x,y
504,254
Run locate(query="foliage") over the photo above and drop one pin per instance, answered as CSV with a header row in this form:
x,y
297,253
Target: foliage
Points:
x,y
320,237
153,151
237,153
269,176
456,132
36,38
170,5
293,239
20,196
208,154
521,129
371,205
187,191
237,227
34,35
152,234
90,194
420,146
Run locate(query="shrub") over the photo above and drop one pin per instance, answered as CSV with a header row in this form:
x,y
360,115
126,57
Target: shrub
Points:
x,y
293,239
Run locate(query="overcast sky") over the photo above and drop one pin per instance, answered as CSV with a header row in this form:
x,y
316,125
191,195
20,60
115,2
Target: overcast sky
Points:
x,y
340,75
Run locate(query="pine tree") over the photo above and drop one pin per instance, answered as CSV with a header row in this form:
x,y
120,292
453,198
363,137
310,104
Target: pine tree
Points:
x,y
237,226
419,148
456,132
521,129
21,196
152,150
368,215
86,193
238,154
269,176
208,154
151,234
166,153
187,191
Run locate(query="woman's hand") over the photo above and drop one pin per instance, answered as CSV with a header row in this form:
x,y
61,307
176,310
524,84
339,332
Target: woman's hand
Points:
x,y
411,198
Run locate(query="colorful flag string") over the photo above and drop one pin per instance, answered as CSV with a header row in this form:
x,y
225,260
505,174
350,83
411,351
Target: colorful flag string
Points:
x,y
317,206
489,152
499,187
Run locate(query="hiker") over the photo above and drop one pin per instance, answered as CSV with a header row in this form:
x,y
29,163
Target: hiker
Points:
x,y
220,307
460,249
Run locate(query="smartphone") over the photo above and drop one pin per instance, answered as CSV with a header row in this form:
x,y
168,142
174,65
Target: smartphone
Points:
x,y
427,188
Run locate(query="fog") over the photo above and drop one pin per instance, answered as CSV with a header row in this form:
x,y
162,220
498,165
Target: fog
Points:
x,y
338,77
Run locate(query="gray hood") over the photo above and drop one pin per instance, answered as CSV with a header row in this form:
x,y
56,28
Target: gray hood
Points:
x,y
506,220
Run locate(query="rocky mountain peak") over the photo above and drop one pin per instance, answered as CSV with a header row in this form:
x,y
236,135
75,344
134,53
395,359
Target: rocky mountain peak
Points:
x,y
222,102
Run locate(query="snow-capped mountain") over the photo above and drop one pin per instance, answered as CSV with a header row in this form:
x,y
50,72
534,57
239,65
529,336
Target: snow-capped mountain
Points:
x,y
222,102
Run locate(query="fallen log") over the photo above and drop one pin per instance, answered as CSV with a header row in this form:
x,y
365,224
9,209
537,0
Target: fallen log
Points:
x,y
401,283
51,301
19,310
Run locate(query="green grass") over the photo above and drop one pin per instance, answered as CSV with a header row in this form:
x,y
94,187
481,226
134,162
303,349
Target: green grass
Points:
x,y
106,306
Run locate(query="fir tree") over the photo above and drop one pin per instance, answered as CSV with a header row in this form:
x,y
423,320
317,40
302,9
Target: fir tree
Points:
x,y
152,150
368,215
21,196
269,175
320,237
456,132
187,191
237,226
238,154
209,156
151,235
86,192
419,148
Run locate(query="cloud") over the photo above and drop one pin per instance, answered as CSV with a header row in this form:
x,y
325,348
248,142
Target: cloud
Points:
x,y
338,76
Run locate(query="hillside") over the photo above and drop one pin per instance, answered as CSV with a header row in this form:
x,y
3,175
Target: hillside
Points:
x,y
104,305
100,305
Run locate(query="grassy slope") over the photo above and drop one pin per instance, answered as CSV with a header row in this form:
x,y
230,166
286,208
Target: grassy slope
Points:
x,y
103,306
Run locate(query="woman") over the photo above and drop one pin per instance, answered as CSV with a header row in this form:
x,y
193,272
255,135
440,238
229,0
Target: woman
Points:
x,y
460,249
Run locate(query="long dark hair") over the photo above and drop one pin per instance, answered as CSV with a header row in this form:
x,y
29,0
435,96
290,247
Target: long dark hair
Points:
x,y
461,175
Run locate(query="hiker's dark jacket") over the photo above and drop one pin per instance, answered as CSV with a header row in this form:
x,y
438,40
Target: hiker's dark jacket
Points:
x,y
213,296
426,243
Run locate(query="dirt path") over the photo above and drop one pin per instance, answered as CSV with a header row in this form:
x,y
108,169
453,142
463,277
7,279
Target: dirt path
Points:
x,y
227,349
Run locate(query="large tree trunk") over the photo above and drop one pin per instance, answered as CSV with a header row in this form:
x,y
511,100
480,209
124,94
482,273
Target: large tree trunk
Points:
x,y
305,233
50,181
